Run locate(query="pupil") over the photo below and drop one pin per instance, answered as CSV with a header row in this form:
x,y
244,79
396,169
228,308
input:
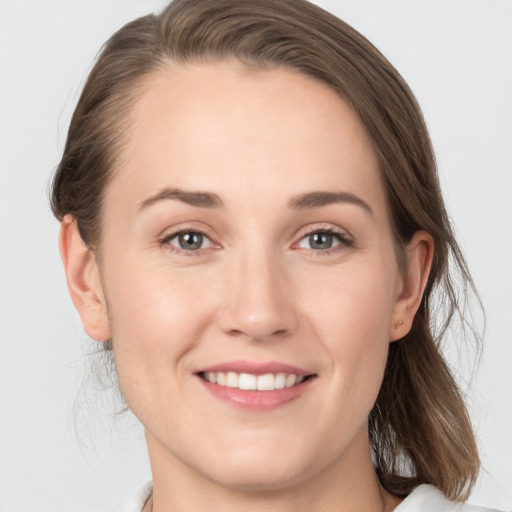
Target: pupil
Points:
x,y
191,241
320,241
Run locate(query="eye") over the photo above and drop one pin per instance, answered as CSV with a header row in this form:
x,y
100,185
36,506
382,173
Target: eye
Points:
x,y
323,240
189,241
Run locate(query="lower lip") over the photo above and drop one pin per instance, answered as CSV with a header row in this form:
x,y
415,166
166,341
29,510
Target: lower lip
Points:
x,y
257,400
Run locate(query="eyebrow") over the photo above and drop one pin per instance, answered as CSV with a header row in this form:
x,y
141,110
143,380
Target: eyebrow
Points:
x,y
319,199
193,198
211,200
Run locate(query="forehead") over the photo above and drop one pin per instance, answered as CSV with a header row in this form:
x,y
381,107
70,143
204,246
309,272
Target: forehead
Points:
x,y
235,130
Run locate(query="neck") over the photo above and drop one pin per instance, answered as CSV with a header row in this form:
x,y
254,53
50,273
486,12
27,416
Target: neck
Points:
x,y
348,485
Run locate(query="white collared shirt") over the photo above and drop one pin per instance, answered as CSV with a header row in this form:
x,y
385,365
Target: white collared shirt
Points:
x,y
425,498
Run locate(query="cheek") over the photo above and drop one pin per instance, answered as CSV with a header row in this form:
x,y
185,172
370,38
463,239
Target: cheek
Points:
x,y
353,304
155,302
351,319
156,319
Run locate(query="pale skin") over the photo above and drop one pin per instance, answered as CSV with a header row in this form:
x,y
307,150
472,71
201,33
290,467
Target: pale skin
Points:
x,y
256,287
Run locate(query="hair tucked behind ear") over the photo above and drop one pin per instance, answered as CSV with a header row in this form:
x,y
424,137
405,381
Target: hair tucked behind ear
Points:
x,y
419,428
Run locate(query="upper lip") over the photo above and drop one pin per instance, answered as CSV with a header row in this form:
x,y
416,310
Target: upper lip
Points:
x,y
256,368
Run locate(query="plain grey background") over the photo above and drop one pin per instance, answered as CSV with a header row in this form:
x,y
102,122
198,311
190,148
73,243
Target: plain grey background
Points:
x,y
457,57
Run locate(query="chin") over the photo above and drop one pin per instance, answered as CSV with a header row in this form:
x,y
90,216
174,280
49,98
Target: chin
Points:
x,y
261,468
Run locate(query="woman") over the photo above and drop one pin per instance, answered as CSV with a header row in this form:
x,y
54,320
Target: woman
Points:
x,y
251,221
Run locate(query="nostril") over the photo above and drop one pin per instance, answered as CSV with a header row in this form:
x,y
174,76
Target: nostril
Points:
x,y
257,333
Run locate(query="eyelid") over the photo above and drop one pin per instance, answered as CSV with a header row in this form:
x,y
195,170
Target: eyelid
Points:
x,y
167,235
326,228
344,237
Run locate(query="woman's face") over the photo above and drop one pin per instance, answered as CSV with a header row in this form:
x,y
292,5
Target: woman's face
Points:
x,y
246,241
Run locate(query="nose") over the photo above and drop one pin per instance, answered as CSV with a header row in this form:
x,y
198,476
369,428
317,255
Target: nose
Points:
x,y
258,303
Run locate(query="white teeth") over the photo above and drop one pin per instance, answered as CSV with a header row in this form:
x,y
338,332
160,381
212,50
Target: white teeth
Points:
x,y
246,381
280,381
249,382
211,377
266,382
291,380
231,380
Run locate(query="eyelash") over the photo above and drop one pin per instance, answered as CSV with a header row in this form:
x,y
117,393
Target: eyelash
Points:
x,y
165,242
344,241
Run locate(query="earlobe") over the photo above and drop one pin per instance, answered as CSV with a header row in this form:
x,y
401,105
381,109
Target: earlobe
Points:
x,y
83,280
419,252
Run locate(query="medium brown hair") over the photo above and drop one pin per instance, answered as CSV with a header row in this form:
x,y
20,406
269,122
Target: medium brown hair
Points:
x,y
419,427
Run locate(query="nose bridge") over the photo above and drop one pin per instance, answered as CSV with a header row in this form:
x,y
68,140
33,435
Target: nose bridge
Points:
x,y
260,304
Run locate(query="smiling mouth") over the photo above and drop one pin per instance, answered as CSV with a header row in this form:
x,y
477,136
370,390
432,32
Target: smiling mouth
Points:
x,y
251,382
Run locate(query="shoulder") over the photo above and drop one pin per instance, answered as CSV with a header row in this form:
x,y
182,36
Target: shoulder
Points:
x,y
427,498
137,501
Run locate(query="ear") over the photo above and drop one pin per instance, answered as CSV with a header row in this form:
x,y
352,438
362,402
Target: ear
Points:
x,y
84,281
419,254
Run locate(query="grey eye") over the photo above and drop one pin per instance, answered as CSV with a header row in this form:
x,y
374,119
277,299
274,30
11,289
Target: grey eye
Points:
x,y
190,241
320,241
